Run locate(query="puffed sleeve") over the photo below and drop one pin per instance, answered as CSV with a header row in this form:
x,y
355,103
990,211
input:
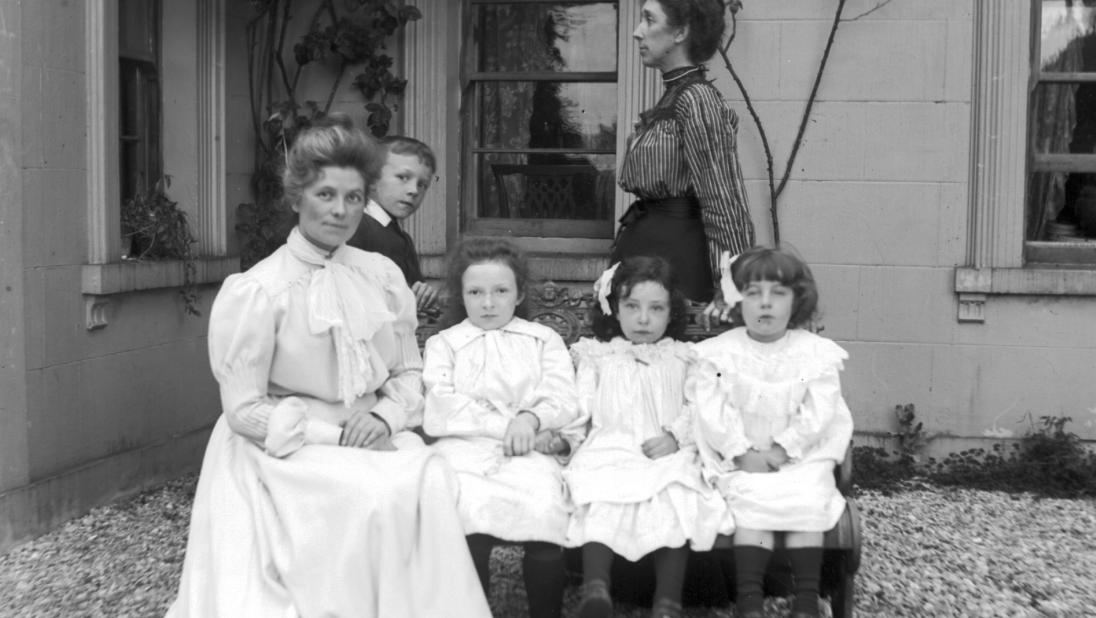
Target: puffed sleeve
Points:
x,y
821,404
241,348
718,429
683,427
399,399
709,130
451,413
554,401
586,381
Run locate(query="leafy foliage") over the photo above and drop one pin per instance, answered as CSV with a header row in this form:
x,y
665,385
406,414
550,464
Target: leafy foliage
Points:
x,y
157,229
344,36
1047,461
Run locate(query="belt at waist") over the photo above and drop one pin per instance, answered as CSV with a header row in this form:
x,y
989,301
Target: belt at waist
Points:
x,y
673,207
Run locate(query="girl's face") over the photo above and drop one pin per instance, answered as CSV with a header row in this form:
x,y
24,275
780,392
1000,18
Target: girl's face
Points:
x,y
766,309
644,313
661,46
331,207
490,293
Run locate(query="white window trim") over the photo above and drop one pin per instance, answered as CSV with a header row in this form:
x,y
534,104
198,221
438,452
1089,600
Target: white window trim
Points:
x,y
995,257
430,61
105,273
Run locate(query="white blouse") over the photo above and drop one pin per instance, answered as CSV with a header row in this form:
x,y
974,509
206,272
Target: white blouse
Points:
x,y
752,394
478,380
304,338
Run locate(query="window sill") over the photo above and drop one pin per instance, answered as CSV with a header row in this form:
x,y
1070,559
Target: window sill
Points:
x,y
974,285
100,281
542,266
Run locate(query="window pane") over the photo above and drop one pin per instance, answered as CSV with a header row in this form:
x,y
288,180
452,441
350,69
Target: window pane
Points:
x,y
1064,118
548,115
1061,206
546,186
547,37
137,29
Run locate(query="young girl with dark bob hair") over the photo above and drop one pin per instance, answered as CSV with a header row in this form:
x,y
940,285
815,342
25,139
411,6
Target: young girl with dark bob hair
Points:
x,y
772,424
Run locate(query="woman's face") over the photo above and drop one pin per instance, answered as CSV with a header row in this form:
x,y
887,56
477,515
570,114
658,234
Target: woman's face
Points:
x,y
331,207
661,46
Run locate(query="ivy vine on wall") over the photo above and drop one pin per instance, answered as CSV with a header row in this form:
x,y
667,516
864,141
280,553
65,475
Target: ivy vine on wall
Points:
x,y
343,37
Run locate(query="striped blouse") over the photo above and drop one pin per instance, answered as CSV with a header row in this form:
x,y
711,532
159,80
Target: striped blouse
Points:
x,y
687,146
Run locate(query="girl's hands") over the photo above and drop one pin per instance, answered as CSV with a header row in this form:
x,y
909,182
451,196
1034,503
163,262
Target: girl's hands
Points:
x,y
521,434
660,446
768,460
776,456
366,430
550,443
716,312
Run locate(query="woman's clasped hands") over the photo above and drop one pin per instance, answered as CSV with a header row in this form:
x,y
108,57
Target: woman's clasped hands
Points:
x,y
366,430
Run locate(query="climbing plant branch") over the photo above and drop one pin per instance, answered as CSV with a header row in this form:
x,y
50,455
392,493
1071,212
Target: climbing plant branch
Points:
x,y
775,189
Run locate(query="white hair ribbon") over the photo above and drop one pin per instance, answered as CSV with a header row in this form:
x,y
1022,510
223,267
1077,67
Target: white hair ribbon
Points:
x,y
731,295
603,287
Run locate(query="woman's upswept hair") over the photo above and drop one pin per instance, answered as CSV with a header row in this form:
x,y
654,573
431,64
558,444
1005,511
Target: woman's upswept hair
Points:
x,y
779,264
477,251
631,272
705,20
330,142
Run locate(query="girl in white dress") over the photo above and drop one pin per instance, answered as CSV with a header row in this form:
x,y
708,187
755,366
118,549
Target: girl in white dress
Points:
x,y
313,500
772,424
493,380
635,480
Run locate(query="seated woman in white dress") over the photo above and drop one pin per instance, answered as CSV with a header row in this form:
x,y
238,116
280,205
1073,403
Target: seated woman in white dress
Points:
x,y
313,499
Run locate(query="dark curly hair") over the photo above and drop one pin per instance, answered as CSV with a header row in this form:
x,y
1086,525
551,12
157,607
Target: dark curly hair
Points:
x,y
705,20
778,264
631,272
477,251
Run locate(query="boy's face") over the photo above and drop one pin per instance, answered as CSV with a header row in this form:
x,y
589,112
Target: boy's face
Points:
x,y
402,185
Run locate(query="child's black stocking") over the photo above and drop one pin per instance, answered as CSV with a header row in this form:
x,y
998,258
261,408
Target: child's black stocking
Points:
x,y
670,572
597,561
750,563
479,545
542,570
807,571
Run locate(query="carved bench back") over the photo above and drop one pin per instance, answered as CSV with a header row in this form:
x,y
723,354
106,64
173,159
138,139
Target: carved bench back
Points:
x,y
566,309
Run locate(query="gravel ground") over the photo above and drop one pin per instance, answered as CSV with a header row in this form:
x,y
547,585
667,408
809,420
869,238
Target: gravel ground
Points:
x,y
927,552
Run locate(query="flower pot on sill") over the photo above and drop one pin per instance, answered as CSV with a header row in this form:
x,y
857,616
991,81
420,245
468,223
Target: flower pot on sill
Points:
x,y
1085,210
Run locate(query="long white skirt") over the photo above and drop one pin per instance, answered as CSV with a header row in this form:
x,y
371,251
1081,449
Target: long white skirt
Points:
x,y
511,498
635,504
326,531
802,497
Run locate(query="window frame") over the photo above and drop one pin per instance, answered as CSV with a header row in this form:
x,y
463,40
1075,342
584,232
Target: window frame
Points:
x,y
141,92
1051,253
471,223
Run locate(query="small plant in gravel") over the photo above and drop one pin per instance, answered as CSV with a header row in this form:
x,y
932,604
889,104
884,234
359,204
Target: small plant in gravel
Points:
x,y
876,468
1048,461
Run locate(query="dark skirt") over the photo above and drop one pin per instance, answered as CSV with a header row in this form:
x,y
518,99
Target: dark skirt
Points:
x,y
671,229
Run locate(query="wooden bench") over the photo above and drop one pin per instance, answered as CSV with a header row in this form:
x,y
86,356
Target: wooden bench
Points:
x,y
566,309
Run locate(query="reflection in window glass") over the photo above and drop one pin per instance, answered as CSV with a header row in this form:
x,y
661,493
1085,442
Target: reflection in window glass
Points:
x,y
1064,31
548,37
548,115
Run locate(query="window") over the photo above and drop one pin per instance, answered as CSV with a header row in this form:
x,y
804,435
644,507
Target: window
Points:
x,y
1060,222
540,119
139,96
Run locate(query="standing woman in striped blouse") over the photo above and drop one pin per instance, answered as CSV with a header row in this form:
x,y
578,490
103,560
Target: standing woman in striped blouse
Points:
x,y
682,162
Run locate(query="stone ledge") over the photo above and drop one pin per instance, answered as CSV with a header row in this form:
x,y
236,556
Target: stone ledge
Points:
x,y
137,275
